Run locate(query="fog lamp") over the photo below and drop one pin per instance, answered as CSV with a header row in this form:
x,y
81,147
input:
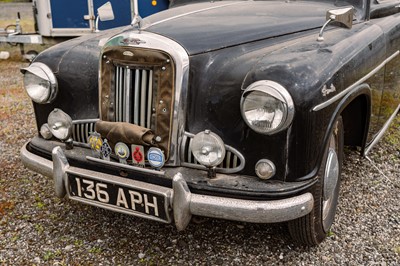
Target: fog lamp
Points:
x,y
40,83
208,148
45,131
265,169
60,124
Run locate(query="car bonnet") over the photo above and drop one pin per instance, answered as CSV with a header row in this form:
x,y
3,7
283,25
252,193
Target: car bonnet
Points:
x,y
211,26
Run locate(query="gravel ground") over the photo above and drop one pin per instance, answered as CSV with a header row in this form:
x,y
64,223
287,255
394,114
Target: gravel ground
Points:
x,y
38,228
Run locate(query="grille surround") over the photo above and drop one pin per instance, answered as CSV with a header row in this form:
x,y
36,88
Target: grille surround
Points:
x,y
137,86
149,40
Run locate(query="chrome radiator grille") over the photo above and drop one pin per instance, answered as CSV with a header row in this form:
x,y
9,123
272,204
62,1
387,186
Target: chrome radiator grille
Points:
x,y
81,129
133,95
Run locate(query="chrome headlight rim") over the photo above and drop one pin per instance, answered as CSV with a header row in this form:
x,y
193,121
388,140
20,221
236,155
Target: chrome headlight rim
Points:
x,y
277,91
42,71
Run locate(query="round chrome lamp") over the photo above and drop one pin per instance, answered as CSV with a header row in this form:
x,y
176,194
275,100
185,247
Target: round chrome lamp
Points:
x,y
60,124
208,149
40,83
267,107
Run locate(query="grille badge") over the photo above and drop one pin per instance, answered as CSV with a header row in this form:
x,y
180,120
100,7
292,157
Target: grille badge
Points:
x,y
128,53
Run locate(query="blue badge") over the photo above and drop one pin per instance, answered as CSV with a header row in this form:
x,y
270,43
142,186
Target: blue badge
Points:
x,y
105,150
155,156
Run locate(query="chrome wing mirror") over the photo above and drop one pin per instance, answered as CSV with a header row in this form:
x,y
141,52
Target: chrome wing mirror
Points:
x,y
343,16
104,13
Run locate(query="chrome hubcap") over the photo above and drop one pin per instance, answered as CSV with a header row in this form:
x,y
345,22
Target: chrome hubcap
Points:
x,y
330,181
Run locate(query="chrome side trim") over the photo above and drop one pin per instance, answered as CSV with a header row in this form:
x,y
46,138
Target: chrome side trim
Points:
x,y
382,131
181,59
354,85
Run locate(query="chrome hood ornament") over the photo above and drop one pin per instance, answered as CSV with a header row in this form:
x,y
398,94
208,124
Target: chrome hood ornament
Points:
x,y
137,20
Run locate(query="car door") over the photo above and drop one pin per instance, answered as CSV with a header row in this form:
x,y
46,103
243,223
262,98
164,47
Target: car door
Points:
x,y
386,15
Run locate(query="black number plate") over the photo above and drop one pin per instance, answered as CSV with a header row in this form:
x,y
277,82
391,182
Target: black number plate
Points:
x,y
118,197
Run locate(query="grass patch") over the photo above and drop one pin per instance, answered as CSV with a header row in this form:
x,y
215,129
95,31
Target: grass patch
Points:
x,y
393,134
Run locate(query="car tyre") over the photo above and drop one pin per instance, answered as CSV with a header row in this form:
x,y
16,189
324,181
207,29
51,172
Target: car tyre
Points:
x,y
313,228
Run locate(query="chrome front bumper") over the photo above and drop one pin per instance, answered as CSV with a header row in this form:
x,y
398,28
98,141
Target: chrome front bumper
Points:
x,y
183,203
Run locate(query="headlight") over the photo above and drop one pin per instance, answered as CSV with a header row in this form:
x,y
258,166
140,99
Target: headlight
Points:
x,y
267,107
60,124
208,148
40,83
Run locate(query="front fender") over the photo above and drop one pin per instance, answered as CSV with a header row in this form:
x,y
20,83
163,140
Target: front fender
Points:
x,y
307,69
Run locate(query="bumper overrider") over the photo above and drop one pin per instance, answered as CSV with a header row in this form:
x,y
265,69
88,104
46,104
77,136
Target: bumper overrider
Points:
x,y
157,202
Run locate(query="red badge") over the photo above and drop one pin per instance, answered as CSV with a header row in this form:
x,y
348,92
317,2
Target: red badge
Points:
x,y
138,155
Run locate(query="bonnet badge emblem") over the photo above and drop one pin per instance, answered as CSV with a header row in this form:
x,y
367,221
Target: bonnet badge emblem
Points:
x,y
134,41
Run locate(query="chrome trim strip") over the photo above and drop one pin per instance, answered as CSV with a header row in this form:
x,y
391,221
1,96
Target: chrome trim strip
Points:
x,y
85,121
189,13
143,98
354,85
118,100
84,132
149,101
126,166
234,162
128,97
181,59
136,106
73,133
382,131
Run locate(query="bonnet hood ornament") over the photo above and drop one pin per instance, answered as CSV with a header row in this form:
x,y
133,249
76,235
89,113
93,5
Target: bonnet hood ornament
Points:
x,y
137,20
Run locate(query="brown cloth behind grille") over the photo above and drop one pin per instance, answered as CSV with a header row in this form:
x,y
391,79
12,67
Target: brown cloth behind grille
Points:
x,y
124,132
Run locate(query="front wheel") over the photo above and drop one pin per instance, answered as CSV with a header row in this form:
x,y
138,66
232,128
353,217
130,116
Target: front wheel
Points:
x,y
313,228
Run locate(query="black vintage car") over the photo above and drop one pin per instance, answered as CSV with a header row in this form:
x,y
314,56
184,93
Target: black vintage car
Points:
x,y
228,109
